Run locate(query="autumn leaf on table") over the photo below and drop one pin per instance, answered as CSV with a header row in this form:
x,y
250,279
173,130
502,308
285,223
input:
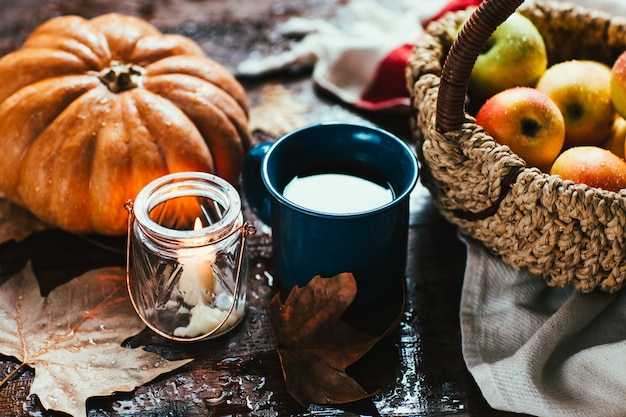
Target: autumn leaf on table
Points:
x,y
278,113
17,223
72,338
315,345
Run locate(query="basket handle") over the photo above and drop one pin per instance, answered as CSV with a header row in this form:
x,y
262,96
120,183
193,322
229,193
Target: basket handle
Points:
x,y
460,60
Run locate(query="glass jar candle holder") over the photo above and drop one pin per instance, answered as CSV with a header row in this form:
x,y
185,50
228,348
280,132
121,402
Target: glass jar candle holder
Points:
x,y
187,266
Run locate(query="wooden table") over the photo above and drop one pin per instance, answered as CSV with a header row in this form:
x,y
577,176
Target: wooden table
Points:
x,y
419,367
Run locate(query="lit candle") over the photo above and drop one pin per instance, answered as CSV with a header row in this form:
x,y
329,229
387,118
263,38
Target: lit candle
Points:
x,y
197,281
198,287
205,318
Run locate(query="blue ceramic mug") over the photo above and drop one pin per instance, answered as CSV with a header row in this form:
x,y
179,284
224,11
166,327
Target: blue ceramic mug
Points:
x,y
336,196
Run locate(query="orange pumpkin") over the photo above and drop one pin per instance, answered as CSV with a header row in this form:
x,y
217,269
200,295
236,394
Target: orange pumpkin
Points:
x,y
92,110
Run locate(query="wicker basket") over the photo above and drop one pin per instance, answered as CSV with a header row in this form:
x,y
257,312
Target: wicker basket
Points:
x,y
566,233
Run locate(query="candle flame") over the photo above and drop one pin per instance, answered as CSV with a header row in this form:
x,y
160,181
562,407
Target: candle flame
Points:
x,y
197,224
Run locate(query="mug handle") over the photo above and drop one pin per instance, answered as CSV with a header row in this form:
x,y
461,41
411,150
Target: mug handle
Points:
x,y
254,190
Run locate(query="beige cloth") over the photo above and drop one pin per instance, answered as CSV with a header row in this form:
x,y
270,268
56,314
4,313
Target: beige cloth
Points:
x,y
540,350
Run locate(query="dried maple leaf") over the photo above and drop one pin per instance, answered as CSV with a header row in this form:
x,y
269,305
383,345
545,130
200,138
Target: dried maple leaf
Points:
x,y
72,338
17,223
315,345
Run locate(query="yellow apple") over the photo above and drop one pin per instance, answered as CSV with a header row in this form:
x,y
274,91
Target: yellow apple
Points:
x,y
582,90
591,165
528,122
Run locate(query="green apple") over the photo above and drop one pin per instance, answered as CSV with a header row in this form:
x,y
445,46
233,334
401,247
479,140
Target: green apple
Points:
x,y
528,122
582,90
515,55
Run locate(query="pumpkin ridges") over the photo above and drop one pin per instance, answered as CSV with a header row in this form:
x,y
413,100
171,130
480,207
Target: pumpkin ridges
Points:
x,y
121,175
148,161
55,173
25,115
71,34
24,67
151,153
71,46
220,135
182,145
171,85
122,33
154,48
203,68
110,168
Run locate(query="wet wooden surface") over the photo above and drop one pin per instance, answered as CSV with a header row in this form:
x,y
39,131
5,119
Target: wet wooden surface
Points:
x,y
419,368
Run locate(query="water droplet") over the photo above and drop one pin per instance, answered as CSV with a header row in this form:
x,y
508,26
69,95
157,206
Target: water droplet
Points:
x,y
52,400
230,362
260,384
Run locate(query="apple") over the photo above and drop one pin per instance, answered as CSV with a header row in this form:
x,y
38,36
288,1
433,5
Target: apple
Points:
x,y
616,143
527,121
515,55
582,90
591,165
618,84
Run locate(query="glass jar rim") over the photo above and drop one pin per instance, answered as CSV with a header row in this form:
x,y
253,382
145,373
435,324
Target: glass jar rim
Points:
x,y
187,184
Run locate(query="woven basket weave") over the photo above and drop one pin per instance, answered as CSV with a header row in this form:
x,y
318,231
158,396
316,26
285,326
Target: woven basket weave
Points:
x,y
566,233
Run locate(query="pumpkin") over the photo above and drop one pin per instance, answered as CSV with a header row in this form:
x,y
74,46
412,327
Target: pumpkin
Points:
x,y
93,110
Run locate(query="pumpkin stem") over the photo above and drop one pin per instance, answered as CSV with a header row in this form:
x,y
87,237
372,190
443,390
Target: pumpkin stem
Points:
x,y
120,77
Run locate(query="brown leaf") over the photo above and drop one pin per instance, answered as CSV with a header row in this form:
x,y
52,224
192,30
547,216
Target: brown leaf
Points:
x,y
278,113
72,338
17,223
315,345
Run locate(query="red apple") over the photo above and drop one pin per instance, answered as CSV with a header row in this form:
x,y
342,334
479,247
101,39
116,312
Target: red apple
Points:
x,y
591,165
526,120
582,90
618,84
